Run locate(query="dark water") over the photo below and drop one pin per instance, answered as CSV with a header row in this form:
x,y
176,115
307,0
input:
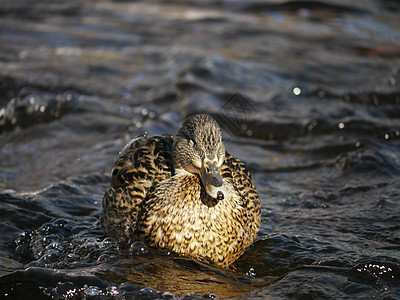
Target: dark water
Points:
x,y
319,128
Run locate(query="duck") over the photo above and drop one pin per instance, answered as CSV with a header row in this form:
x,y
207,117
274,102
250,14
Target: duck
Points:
x,y
184,194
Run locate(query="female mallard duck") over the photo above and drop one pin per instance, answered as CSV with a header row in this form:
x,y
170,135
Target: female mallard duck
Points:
x,y
184,194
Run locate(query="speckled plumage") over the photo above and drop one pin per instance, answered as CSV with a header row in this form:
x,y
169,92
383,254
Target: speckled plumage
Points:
x,y
156,196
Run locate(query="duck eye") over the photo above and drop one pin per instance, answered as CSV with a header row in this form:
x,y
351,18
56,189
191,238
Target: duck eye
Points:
x,y
191,142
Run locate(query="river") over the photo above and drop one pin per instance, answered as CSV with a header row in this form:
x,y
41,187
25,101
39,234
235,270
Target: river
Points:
x,y
307,94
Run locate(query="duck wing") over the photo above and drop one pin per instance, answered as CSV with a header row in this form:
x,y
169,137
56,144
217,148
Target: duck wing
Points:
x,y
142,165
236,172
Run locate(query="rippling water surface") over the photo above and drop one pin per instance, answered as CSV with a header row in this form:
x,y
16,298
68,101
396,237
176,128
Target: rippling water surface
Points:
x,y
318,126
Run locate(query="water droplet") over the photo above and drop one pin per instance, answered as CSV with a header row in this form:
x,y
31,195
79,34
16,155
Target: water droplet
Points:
x,y
387,136
113,290
251,272
145,111
296,91
92,291
341,125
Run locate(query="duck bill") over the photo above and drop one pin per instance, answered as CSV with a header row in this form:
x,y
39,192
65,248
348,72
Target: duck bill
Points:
x,y
212,180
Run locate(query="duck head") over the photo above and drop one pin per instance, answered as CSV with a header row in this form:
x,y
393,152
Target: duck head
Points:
x,y
198,149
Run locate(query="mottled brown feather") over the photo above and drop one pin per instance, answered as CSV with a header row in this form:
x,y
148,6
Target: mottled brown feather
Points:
x,y
148,201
